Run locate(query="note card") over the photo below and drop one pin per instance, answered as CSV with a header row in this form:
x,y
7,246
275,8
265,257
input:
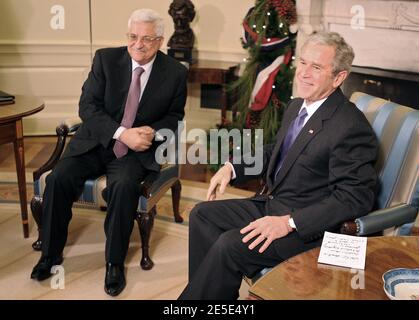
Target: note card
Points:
x,y
343,250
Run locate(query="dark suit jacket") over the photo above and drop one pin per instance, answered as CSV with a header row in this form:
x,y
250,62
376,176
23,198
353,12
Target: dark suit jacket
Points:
x,y
328,175
104,94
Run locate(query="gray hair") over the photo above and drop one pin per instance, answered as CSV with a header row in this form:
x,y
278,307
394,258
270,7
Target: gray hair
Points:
x,y
344,54
148,15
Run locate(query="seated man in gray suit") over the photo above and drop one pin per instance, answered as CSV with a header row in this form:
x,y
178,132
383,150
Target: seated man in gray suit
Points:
x,y
319,173
131,92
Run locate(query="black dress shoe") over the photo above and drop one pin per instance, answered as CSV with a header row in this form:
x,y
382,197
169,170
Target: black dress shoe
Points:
x,y
114,279
42,269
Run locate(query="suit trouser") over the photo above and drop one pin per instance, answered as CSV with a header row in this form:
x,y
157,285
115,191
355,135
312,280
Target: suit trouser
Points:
x,y
218,258
64,185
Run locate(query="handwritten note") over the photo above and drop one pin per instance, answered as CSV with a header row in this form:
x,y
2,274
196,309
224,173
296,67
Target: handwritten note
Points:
x,y
343,250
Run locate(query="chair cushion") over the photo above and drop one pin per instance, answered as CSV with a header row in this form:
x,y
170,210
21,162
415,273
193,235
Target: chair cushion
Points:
x,y
92,191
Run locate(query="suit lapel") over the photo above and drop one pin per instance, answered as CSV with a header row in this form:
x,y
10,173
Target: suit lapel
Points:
x,y
313,126
157,77
124,76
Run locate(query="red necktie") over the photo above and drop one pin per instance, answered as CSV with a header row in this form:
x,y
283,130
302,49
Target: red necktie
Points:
x,y
130,111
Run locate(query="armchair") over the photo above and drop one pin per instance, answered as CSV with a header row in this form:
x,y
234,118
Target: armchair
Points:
x,y
397,203
153,187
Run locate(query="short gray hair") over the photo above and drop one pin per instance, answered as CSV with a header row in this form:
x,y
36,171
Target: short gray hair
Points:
x,y
344,54
148,15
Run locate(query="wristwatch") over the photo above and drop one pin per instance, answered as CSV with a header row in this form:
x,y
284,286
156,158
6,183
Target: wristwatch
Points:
x,y
291,223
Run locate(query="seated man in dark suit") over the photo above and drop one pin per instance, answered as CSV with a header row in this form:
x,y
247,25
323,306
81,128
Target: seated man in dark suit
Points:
x,y
131,92
320,173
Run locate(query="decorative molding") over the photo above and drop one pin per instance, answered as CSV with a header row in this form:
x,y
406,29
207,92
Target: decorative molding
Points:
x,y
56,110
59,87
24,54
400,18
43,42
310,16
204,54
224,56
378,13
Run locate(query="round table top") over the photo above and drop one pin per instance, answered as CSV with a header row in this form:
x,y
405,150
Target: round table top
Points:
x,y
24,105
302,278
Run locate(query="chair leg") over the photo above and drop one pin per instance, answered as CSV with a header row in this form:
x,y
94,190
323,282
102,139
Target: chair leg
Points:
x,y
36,208
145,223
176,190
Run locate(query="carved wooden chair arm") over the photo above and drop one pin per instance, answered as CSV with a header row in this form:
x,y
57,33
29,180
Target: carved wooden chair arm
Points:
x,y
147,183
67,126
349,228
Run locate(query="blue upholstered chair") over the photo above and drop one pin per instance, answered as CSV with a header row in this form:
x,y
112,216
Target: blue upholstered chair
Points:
x,y
397,129
397,203
154,186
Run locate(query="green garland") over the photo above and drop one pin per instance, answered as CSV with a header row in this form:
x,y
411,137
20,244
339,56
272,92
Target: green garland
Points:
x,y
266,21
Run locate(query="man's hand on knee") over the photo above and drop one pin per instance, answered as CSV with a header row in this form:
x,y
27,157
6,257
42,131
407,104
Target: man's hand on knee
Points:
x,y
266,229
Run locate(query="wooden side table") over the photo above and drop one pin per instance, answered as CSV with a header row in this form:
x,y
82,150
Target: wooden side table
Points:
x,y
11,130
302,278
214,72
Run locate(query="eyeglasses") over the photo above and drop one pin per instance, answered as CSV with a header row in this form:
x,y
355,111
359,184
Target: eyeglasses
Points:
x,y
132,37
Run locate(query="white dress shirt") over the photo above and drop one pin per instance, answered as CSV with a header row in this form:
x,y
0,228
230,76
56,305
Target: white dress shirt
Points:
x,y
144,79
311,109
